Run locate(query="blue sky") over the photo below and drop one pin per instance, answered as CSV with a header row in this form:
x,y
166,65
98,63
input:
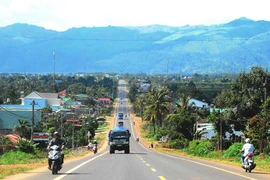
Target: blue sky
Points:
x,y
63,14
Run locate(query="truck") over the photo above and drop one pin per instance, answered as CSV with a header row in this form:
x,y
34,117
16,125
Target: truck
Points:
x,y
120,115
119,139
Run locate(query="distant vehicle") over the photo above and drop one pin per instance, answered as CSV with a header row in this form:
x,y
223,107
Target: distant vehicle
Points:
x,y
120,116
119,139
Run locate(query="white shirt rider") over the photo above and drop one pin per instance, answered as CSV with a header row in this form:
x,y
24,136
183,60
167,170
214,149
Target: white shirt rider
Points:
x,y
248,148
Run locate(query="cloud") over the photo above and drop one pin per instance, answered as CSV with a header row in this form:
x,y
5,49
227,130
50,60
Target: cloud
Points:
x,y
64,14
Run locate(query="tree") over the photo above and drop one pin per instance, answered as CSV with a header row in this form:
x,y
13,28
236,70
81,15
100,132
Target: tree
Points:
x,y
23,129
259,126
246,95
77,88
220,125
180,123
157,106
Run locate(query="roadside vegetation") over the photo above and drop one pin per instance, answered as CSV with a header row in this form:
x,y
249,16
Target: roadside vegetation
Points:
x,y
239,102
25,154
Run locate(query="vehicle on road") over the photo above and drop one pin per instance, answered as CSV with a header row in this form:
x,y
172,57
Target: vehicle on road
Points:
x,y
119,139
54,157
120,115
249,164
94,148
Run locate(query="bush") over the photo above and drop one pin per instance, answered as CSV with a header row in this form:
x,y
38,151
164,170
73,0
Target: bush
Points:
x,y
179,143
200,147
233,151
26,146
213,154
16,157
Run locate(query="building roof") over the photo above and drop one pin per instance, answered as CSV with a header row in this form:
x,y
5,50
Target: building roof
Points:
x,y
36,94
104,99
64,92
49,95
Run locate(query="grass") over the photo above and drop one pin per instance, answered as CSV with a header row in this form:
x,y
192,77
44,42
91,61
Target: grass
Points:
x,y
11,170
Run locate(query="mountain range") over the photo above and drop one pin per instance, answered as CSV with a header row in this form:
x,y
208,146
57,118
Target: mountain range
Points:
x,y
225,48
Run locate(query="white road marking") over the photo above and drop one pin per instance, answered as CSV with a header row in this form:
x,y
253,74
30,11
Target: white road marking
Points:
x,y
77,167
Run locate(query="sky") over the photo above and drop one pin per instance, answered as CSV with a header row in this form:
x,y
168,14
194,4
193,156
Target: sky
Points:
x,y
61,15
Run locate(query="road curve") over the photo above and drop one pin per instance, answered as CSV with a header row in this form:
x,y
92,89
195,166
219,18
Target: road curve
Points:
x,y
142,163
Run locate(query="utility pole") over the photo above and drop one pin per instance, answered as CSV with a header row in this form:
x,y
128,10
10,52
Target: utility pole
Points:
x,y
33,118
54,67
221,138
265,88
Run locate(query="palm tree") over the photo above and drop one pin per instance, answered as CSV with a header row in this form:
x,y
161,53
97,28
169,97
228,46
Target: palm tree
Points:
x,y
184,103
140,104
157,106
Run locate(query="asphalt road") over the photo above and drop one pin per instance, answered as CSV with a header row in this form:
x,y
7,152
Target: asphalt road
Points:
x,y
142,163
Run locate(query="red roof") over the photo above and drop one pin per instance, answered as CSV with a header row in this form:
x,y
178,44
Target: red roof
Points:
x,y
13,138
63,92
104,99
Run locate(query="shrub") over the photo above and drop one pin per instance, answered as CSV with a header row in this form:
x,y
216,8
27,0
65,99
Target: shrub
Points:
x,y
16,157
213,154
233,151
179,143
200,147
26,146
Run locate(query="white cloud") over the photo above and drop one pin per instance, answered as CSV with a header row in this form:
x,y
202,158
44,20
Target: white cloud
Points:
x,y
64,14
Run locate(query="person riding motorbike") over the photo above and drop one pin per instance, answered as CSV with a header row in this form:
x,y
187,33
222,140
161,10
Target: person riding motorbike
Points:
x,y
248,148
59,142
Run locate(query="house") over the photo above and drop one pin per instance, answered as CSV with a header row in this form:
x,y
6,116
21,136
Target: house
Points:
x,y
197,103
43,99
104,101
10,114
62,94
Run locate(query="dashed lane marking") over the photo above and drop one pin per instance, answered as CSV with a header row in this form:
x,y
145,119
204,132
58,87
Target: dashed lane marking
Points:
x,y
153,169
161,178
147,164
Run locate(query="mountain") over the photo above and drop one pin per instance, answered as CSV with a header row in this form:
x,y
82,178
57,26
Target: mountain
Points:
x,y
224,48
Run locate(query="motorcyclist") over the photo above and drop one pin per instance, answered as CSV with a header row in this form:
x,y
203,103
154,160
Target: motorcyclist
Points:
x,y
90,146
59,142
248,148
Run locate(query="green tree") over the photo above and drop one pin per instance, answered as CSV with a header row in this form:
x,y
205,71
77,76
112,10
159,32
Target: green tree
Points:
x,y
180,123
157,106
259,126
77,88
23,129
220,124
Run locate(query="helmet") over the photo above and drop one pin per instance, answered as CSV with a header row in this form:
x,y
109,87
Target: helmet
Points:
x,y
56,133
247,140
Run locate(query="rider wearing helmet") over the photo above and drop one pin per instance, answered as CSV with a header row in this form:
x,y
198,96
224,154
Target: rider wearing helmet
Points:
x,y
248,148
59,142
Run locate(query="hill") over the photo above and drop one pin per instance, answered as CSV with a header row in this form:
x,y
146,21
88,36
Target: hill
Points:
x,y
224,48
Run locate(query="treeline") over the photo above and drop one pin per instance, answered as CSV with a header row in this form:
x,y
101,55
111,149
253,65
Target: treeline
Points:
x,y
241,102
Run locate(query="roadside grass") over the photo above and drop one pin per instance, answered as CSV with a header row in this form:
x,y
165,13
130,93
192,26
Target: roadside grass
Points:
x,y
262,161
18,162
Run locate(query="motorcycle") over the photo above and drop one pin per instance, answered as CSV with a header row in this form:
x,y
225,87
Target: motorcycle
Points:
x,y
95,149
55,158
249,164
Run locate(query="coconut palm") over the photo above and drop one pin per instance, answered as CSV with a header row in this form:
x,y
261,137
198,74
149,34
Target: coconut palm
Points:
x,y
157,106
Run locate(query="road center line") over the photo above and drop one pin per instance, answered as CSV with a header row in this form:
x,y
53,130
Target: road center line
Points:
x,y
153,169
161,178
147,164
77,167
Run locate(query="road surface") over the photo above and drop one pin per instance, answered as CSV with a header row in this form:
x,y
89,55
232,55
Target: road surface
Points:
x,y
142,163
